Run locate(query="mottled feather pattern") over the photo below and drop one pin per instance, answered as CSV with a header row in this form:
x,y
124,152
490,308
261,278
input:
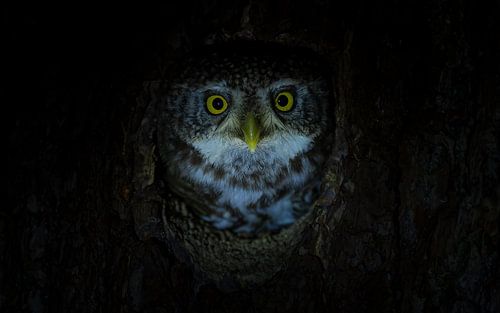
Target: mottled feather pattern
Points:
x,y
209,164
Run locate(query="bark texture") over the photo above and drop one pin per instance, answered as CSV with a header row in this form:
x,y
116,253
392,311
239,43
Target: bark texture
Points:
x,y
412,226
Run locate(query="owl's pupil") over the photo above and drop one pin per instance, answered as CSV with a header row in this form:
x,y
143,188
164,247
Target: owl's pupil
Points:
x,y
282,100
218,104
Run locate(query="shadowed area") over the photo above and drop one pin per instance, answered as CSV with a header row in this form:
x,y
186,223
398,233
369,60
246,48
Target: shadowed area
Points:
x,y
409,218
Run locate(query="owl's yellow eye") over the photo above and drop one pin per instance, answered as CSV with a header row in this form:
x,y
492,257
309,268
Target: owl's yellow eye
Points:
x,y
216,104
284,101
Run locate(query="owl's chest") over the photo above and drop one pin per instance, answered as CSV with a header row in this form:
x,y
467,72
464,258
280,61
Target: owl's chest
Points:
x,y
246,190
245,183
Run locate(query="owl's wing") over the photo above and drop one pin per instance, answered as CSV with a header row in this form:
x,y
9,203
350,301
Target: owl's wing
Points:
x,y
303,199
191,197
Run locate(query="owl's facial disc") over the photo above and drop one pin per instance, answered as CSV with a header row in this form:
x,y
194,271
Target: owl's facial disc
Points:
x,y
251,132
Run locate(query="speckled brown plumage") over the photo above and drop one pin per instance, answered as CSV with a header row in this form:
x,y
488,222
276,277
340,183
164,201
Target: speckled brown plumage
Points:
x,y
207,162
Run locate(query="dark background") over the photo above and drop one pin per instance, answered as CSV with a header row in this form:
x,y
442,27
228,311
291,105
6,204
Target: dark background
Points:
x,y
415,225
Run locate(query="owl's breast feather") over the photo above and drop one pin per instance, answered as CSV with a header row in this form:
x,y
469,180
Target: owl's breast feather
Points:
x,y
243,188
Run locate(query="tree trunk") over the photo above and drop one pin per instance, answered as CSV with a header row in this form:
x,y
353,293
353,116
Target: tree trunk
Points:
x,y
412,220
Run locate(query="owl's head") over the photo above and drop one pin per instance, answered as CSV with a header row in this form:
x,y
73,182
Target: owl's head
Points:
x,y
251,102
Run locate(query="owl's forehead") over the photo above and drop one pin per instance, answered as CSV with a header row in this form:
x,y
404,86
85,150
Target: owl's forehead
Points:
x,y
247,71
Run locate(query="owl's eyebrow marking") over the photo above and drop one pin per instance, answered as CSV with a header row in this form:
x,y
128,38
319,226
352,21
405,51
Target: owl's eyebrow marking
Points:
x,y
219,86
286,82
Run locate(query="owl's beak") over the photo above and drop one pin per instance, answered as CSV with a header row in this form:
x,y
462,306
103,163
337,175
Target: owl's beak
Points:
x,y
251,131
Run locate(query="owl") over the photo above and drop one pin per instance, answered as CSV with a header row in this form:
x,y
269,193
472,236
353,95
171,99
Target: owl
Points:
x,y
243,132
